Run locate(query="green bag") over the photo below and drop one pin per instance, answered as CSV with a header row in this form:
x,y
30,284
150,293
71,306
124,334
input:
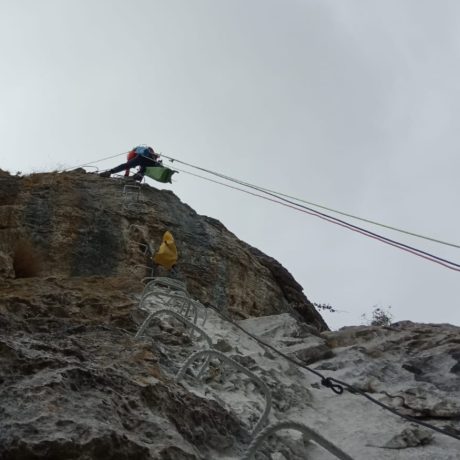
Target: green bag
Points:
x,y
160,173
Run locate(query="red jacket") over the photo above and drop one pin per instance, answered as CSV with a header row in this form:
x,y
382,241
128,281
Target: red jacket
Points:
x,y
131,155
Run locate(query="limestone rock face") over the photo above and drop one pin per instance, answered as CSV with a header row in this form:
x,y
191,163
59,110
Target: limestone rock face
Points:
x,y
420,363
76,384
412,368
6,266
78,224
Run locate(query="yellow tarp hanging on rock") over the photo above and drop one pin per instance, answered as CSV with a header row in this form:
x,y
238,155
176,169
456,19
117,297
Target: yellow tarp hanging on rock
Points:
x,y
166,256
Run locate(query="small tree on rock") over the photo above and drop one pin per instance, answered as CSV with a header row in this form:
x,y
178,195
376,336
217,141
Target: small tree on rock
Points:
x,y
380,316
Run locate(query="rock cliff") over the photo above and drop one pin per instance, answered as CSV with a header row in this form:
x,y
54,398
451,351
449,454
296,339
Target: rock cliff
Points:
x,y
77,384
78,225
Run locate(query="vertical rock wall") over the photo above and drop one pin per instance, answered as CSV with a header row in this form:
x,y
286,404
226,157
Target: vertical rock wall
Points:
x,y
78,224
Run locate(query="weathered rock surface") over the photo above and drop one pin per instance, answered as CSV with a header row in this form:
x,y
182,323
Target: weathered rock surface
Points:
x,y
415,366
412,368
76,384
78,224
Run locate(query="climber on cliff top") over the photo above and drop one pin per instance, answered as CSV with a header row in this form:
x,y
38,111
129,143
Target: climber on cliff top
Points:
x,y
142,156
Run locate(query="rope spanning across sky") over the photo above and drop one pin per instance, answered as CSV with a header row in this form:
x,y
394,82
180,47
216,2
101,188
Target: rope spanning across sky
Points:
x,y
279,194
88,163
282,199
331,219
299,207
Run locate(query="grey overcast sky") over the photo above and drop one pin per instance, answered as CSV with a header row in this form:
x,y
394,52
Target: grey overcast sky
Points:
x,y
352,104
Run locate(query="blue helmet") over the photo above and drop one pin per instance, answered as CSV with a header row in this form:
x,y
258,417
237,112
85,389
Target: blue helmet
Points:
x,y
145,151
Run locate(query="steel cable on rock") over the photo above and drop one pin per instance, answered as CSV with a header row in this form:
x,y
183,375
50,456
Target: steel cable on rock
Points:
x,y
336,385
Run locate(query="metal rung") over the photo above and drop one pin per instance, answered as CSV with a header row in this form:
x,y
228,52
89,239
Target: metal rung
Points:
x,y
251,375
145,246
143,266
178,316
134,225
169,312
164,282
178,300
130,190
291,425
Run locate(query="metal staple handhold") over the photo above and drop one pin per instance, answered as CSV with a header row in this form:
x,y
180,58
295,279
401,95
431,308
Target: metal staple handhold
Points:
x,y
201,308
178,300
196,307
127,192
161,292
187,305
194,327
291,425
146,247
139,227
143,266
167,311
251,375
163,282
